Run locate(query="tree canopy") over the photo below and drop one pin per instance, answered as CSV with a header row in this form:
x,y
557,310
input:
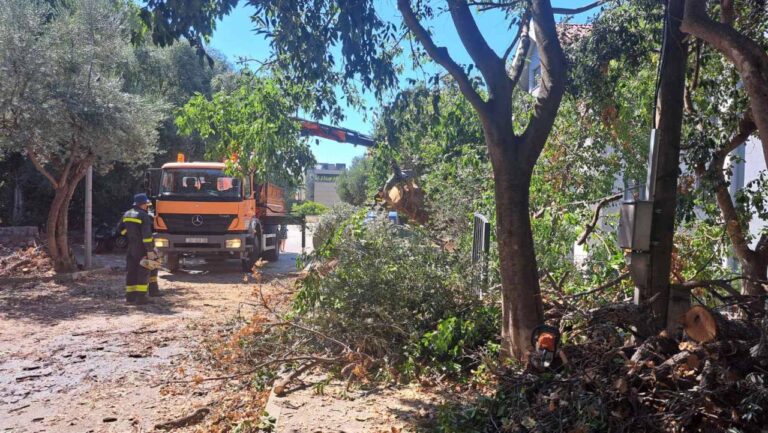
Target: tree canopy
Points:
x,y
63,99
250,127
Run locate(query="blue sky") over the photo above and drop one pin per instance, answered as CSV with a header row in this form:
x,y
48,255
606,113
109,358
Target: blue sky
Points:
x,y
234,37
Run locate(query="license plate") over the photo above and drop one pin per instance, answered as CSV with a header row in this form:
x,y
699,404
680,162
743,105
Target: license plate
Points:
x,y
197,240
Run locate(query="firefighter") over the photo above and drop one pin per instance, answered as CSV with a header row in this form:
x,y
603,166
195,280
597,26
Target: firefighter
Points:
x,y
137,227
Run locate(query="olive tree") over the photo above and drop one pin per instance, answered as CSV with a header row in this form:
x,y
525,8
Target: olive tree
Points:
x,y
62,98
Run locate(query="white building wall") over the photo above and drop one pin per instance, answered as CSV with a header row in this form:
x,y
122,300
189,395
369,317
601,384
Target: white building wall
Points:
x,y
325,193
753,165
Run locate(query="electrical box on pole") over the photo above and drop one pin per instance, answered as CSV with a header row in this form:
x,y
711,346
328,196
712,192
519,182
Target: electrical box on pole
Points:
x,y
635,225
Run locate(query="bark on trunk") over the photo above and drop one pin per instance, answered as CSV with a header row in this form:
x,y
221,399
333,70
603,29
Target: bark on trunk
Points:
x,y
512,156
747,56
52,227
754,263
521,302
58,219
670,114
704,325
58,242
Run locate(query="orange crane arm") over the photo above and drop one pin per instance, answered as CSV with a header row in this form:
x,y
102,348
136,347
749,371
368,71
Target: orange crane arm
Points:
x,y
335,133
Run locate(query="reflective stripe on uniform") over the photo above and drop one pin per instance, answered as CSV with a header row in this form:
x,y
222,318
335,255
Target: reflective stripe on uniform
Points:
x,y
147,240
137,288
131,220
152,279
123,232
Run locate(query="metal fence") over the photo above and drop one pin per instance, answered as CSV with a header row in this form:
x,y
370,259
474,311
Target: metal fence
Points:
x,y
481,244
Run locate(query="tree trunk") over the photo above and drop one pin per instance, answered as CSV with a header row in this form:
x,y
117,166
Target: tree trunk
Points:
x,y
670,121
521,302
59,256
703,325
17,215
749,58
58,220
753,265
513,157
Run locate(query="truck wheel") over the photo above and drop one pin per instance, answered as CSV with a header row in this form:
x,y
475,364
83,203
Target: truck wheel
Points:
x,y
253,255
272,255
172,261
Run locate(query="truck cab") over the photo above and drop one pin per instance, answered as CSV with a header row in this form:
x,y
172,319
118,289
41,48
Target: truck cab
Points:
x,y
202,211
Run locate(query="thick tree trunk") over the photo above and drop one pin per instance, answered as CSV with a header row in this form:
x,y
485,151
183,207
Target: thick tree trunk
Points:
x,y
58,219
670,121
58,252
513,157
521,303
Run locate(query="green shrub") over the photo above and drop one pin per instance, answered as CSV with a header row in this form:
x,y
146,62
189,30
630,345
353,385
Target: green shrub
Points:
x,y
388,285
454,345
329,224
309,208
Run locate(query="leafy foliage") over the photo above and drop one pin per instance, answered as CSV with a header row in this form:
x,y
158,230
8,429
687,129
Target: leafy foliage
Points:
x,y
250,127
170,20
352,184
305,37
62,90
309,208
457,344
328,230
415,285
63,98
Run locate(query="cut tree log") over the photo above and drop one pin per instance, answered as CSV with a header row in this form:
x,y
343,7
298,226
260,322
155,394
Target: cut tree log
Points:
x,y
702,324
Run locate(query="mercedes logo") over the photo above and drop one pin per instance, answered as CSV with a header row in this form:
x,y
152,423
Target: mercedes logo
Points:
x,y
197,220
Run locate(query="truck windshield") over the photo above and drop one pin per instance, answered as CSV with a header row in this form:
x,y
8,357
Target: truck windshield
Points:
x,y
199,184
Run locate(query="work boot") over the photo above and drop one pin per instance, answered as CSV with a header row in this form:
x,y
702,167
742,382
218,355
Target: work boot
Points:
x,y
141,299
130,297
154,293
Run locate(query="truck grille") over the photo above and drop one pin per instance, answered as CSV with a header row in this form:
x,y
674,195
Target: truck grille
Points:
x,y
209,224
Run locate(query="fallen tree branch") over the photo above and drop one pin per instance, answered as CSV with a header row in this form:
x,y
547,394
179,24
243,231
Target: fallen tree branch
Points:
x,y
318,333
707,284
258,367
280,385
596,217
601,287
185,421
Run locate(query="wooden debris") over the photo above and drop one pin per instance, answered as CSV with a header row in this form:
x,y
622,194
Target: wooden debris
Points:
x,y
185,421
703,325
282,383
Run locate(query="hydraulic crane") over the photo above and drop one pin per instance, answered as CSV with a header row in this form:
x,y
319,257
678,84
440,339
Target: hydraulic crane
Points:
x,y
335,133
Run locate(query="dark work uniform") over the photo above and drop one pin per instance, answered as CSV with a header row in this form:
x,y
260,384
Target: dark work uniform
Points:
x,y
137,226
154,289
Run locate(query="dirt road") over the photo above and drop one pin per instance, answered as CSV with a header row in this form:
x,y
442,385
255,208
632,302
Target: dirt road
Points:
x,y
75,358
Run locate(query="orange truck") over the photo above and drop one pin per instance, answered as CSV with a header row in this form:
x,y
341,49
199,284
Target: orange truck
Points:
x,y
201,211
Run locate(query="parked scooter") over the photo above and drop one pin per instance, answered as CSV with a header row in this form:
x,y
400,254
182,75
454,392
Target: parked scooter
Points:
x,y
107,238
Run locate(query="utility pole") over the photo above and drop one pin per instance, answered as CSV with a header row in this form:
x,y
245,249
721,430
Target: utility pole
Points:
x,y
88,216
663,172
